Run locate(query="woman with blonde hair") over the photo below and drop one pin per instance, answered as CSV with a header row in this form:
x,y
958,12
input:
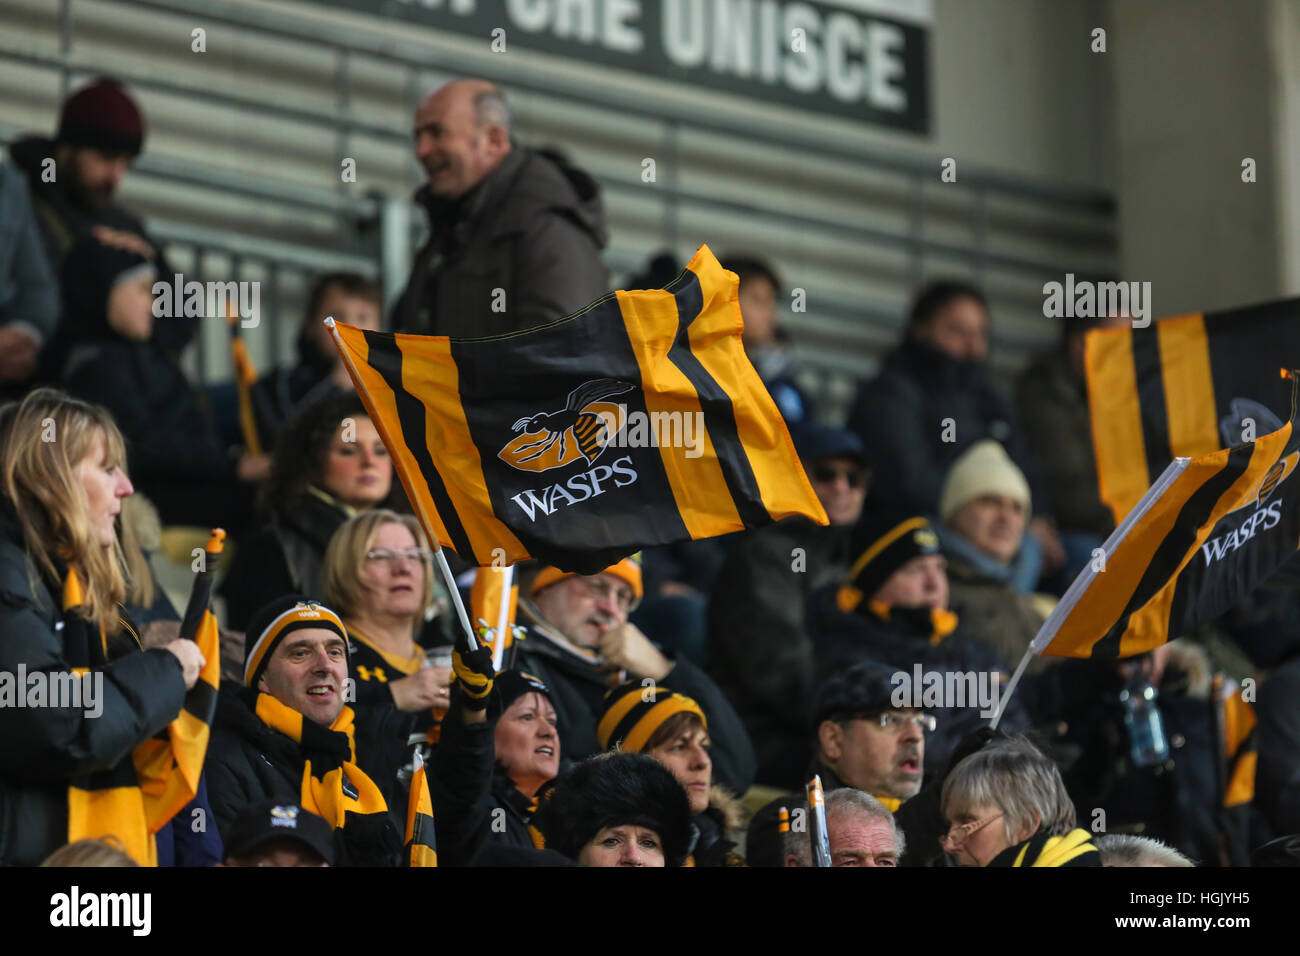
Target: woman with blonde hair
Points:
x,y
379,577
91,694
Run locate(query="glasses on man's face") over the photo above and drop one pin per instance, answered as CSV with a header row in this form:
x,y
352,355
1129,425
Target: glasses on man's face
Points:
x,y
963,831
828,474
600,590
895,722
390,556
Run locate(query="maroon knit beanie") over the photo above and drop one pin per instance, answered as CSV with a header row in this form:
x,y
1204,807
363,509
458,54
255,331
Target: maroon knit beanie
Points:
x,y
102,116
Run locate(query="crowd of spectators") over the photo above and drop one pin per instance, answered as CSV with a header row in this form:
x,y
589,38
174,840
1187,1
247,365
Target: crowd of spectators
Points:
x,y
667,711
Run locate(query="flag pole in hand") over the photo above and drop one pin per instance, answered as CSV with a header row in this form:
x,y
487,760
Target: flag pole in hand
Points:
x,y
201,592
817,832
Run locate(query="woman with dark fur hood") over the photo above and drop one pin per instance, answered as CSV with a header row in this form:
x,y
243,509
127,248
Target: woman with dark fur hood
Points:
x,y
619,809
674,730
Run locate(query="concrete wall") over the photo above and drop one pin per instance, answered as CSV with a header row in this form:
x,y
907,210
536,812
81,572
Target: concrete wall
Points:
x,y
1199,87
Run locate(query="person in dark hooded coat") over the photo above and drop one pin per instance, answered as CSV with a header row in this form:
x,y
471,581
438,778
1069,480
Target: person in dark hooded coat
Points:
x,y
112,356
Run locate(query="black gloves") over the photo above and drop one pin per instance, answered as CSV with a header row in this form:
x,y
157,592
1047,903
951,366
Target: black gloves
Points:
x,y
474,673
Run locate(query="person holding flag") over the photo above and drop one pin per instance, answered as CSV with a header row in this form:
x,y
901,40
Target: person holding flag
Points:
x,y
498,753
89,766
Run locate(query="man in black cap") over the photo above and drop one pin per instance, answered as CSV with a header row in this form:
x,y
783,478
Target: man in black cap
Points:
x,y
289,735
865,741
274,833
760,652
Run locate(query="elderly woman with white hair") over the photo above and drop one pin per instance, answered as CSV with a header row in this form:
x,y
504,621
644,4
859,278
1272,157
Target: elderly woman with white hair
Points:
x,y
1006,805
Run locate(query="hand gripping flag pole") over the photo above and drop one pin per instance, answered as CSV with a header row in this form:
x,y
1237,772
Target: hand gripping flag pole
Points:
x,y
817,832
441,559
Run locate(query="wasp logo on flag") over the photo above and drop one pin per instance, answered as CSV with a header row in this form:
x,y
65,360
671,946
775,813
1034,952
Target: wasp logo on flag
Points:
x,y
1280,472
579,430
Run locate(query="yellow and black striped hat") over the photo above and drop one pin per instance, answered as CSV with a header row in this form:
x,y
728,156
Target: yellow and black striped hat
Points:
x,y
883,543
269,626
632,713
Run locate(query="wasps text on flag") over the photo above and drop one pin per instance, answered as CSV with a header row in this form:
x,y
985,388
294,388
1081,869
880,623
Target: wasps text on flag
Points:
x,y
633,423
1209,531
1185,386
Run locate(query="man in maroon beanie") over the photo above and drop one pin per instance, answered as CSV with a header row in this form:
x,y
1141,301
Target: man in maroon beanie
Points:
x,y
74,177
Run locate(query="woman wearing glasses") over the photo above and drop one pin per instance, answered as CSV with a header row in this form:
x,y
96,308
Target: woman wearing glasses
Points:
x,y
329,465
379,576
1006,805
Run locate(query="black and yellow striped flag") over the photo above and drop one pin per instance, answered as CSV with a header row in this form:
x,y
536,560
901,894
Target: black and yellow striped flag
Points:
x,y
635,422
1210,530
1185,386
421,848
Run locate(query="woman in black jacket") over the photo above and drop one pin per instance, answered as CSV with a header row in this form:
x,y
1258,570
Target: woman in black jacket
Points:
x,y
328,466
499,750
66,767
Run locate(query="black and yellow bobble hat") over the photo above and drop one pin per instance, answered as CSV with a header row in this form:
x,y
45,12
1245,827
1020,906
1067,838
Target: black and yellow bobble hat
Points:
x,y
282,616
632,713
882,545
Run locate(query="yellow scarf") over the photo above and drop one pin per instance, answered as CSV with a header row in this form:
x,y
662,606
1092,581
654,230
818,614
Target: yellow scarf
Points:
x,y
335,760
138,796
1058,851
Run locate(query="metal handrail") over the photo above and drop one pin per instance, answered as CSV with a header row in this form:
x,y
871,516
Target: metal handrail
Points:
x,y
362,207
388,50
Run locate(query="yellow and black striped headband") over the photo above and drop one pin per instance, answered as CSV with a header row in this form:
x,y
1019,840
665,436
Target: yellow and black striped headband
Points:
x,y
633,713
272,623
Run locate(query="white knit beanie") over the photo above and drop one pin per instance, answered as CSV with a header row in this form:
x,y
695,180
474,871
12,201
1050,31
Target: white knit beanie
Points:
x,y
984,468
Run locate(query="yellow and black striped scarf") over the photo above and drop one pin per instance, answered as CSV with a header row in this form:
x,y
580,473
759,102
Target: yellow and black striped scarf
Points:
x,y
1074,849
332,784
136,798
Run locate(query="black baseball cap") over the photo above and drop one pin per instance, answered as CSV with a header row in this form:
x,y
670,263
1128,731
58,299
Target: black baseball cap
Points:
x,y
269,820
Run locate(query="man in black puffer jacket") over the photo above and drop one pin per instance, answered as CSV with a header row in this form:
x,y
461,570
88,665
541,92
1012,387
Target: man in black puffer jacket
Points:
x,y
287,734
515,234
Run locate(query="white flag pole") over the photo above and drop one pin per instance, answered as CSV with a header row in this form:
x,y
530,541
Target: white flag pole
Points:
x,y
503,615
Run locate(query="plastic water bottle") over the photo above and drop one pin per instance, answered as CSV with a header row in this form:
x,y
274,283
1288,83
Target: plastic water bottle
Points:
x,y
1146,728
